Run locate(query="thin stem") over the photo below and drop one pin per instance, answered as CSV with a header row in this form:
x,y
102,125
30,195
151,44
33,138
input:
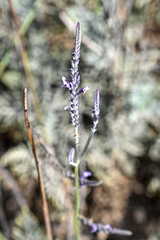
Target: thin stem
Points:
x,y
44,201
76,185
88,141
77,204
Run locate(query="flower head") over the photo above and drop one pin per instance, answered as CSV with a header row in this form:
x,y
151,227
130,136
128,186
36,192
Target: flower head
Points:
x,y
74,82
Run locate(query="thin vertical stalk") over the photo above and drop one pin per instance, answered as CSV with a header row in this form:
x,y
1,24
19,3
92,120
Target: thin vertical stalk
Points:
x,y
76,185
44,201
73,85
77,204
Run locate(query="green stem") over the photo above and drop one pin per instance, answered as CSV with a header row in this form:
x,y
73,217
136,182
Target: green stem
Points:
x,y
77,204
77,187
93,130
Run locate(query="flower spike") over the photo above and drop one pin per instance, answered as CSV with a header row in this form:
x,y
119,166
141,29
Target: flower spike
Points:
x,y
74,82
95,115
96,110
98,227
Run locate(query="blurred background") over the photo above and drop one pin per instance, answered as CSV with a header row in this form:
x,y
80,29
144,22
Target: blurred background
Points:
x,y
120,56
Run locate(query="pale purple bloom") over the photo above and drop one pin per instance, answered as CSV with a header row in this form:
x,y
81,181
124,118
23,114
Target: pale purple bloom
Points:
x,y
94,228
83,181
83,90
66,84
86,174
107,226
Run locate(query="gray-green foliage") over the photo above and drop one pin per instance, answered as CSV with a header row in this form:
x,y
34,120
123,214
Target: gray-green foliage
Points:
x,y
124,69
27,227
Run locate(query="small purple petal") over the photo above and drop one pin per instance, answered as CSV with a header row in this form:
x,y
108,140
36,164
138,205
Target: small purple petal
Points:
x,y
108,227
67,84
86,174
84,90
94,228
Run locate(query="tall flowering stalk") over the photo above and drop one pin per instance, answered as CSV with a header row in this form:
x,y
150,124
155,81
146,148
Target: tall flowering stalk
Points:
x,y
74,156
73,85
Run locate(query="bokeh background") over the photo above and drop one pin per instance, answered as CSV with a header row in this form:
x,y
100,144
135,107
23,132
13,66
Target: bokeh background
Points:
x,y
120,56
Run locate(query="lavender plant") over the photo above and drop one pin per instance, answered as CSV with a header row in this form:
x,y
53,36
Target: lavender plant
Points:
x,y
75,156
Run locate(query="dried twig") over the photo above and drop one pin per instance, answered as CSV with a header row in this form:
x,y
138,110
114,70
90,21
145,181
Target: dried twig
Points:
x,y
44,201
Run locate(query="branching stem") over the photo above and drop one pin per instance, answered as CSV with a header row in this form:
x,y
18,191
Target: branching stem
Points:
x,y
93,129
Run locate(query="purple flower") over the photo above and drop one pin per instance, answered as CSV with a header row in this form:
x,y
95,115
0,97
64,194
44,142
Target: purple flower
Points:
x,y
66,84
107,227
86,174
94,228
84,90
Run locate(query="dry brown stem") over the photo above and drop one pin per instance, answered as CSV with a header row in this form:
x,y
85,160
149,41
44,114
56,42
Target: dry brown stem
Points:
x,y
44,201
